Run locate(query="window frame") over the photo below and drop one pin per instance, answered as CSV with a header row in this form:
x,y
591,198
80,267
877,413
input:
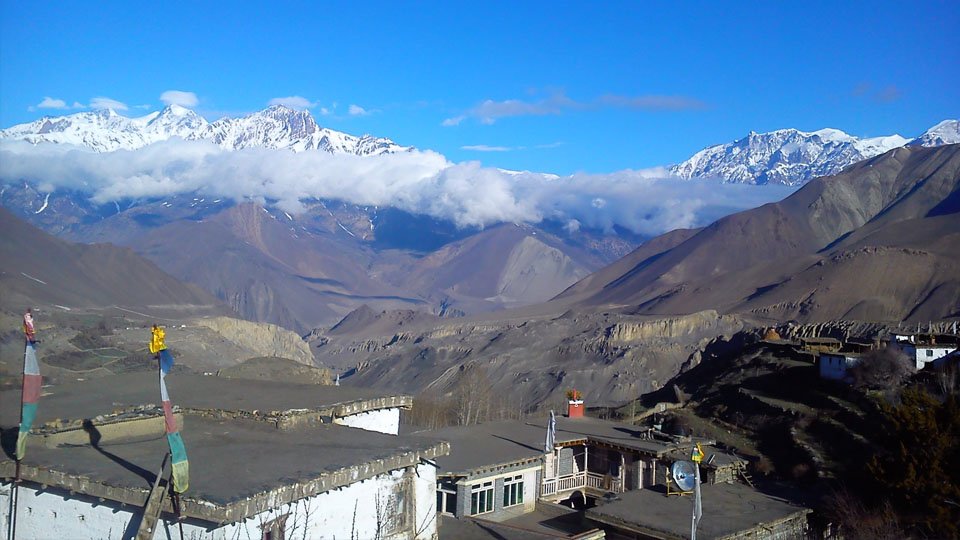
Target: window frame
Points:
x,y
512,491
481,493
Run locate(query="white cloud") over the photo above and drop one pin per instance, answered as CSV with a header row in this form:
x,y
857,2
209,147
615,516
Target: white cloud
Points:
x,y
55,103
486,148
550,145
179,97
422,182
454,121
489,111
100,103
294,102
356,110
52,103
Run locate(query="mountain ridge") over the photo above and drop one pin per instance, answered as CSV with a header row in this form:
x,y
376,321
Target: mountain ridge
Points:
x,y
791,260
793,157
276,127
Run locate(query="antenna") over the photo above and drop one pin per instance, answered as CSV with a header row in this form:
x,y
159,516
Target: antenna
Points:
x,y
684,475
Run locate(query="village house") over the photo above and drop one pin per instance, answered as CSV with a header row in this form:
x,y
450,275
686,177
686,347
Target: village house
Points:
x,y
834,365
925,349
731,511
506,473
267,460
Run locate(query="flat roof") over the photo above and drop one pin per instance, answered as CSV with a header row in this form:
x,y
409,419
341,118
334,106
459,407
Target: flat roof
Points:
x,y
534,525
727,509
507,442
106,395
237,467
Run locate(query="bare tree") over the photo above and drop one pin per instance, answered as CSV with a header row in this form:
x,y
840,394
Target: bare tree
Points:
x,y
881,369
472,395
947,380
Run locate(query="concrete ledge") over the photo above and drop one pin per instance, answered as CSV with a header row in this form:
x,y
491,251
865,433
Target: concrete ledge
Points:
x,y
109,431
235,511
294,418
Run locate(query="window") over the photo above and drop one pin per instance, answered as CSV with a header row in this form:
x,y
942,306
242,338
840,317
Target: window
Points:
x,y
929,352
447,497
512,491
481,498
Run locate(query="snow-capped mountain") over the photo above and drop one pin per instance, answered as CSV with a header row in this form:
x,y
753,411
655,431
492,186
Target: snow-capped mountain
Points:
x,y
276,127
792,157
946,132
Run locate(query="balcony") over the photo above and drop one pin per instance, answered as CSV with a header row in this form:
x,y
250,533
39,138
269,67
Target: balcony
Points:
x,y
581,480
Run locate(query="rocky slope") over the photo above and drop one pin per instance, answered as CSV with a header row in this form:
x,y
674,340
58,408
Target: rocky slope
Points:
x,y
532,359
37,269
878,242
266,340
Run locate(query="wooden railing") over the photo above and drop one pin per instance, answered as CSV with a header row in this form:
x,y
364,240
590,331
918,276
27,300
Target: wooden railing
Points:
x,y
552,486
604,483
567,482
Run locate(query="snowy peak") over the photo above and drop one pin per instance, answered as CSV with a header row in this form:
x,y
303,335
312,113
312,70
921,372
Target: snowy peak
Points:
x,y
946,132
174,121
276,127
792,157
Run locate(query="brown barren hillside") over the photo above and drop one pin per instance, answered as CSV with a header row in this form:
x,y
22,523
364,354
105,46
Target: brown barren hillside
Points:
x,y
38,269
879,241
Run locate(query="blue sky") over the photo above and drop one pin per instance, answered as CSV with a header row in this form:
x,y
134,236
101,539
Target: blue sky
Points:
x,y
554,86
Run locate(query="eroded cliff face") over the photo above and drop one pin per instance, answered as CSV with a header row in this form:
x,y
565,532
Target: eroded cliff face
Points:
x,y
610,357
265,339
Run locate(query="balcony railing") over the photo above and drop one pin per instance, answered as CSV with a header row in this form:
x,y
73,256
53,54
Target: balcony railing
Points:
x,y
569,482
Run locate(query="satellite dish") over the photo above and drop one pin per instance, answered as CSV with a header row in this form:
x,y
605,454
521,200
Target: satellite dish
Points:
x,y
683,474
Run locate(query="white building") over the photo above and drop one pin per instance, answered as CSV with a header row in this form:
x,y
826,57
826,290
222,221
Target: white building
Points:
x,y
924,349
267,460
834,366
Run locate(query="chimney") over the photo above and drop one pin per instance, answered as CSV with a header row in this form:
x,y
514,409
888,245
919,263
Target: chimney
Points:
x,y
574,404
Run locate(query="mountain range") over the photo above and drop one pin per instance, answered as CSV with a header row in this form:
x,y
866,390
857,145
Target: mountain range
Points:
x,y
309,270
879,242
785,156
793,157
876,242
276,127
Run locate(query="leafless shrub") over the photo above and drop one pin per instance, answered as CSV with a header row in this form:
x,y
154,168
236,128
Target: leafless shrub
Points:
x,y
764,466
881,369
947,380
470,401
857,522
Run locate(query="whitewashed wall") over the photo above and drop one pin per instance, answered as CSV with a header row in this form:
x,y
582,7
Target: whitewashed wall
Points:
x,y
381,420
349,512
835,366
